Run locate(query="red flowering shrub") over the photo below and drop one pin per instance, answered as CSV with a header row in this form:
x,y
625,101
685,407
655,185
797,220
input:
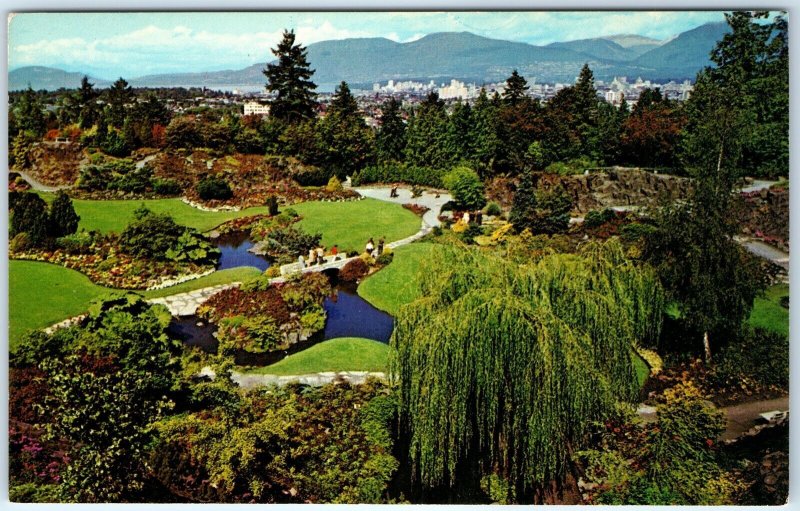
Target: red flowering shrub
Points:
x,y
235,302
354,270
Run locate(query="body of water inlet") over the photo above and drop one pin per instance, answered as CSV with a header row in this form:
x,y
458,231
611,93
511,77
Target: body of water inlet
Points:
x,y
348,315
234,247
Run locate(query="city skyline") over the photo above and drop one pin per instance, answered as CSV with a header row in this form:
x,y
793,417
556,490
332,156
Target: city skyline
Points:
x,y
127,44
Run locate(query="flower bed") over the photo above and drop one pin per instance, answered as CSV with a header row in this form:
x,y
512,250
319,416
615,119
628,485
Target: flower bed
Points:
x,y
417,209
107,266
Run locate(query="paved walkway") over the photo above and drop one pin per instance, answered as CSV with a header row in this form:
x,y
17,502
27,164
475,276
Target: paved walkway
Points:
x,y
36,185
186,304
766,251
249,381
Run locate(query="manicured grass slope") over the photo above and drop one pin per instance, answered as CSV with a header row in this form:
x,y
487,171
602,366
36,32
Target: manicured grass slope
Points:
x,y
342,354
240,274
41,294
114,215
351,224
398,283
767,311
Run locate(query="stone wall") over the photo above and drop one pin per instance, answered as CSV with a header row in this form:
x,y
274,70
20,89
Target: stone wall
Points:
x,y
623,187
616,187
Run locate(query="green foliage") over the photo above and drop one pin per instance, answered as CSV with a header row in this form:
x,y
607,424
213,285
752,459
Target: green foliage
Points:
x,y
213,188
334,185
313,319
542,209
21,148
105,417
20,243
596,218
493,209
167,187
393,172
466,187
33,493
63,219
29,215
192,247
289,79
670,462
571,167
149,235
256,334
325,445
347,142
391,139
758,355
495,350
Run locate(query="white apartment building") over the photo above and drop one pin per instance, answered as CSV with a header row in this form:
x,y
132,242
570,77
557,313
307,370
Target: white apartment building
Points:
x,y
255,108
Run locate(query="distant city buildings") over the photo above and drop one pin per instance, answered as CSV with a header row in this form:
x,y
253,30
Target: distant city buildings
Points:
x,y
255,108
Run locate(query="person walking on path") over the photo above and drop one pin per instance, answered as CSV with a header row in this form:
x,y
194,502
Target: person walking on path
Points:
x,y
370,246
380,245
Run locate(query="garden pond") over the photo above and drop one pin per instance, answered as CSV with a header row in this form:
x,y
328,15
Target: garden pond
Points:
x,y
348,315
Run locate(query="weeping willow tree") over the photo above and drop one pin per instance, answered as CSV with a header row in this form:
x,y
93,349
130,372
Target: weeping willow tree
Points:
x,y
509,364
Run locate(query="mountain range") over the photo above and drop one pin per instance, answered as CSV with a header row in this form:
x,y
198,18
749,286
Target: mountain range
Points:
x,y
442,56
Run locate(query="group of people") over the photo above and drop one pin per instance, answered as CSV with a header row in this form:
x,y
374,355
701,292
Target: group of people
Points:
x,y
317,256
372,250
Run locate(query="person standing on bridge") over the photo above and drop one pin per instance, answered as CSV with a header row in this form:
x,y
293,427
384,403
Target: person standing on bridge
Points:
x,y
380,245
335,252
320,255
301,261
312,256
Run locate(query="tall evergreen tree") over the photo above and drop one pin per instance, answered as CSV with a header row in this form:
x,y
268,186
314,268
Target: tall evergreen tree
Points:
x,y
29,114
119,95
63,219
426,142
347,139
483,133
516,88
391,139
87,101
290,80
459,142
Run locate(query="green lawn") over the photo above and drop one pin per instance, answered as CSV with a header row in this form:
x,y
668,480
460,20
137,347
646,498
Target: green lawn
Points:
x,y
114,215
397,284
768,312
218,277
342,354
351,224
41,294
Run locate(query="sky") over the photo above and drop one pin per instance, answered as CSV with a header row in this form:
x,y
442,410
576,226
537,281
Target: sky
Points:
x,y
109,45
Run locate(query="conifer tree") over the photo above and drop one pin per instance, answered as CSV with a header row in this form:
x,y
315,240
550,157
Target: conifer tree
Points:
x,y
391,139
290,80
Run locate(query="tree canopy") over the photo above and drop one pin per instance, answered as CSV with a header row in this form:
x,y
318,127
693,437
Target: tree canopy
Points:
x,y
505,366
290,80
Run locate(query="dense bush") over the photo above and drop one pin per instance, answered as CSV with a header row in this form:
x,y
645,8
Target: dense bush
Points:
x,y
156,236
29,215
288,241
758,355
542,209
493,209
78,243
166,187
399,172
466,187
354,270
596,218
214,188
575,166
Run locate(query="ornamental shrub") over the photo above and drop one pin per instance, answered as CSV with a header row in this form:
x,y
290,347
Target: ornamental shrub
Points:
x,y
596,218
214,188
167,187
466,187
354,270
493,209
63,219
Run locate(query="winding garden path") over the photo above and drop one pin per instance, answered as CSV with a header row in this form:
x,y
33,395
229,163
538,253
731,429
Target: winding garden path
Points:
x,y
38,186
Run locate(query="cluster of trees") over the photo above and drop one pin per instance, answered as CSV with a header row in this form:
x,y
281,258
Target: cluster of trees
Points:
x,y
33,223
